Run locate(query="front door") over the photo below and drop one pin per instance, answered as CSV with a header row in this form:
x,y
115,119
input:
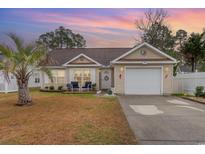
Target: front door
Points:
x,y
106,79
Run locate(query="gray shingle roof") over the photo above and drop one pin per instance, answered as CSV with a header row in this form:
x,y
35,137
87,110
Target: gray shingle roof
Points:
x,y
102,55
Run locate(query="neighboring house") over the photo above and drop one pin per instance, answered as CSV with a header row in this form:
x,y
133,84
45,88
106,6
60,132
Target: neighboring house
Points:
x,y
142,70
11,85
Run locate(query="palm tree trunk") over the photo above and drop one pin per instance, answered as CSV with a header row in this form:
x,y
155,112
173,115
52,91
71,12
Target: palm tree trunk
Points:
x,y
24,97
193,65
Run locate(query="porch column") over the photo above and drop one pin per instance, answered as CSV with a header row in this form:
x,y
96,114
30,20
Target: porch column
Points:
x,y
97,78
67,76
42,79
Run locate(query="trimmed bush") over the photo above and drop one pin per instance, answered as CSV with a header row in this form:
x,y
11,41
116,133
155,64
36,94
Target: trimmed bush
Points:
x,y
199,91
60,87
51,88
94,86
109,92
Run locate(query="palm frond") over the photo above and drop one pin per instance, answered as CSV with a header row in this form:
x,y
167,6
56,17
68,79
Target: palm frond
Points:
x,y
48,72
5,51
1,65
17,40
5,69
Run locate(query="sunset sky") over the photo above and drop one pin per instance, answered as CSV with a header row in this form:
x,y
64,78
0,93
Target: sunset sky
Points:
x,y
100,27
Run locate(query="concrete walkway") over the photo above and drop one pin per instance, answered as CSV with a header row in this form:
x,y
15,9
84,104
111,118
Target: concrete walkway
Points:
x,y
164,119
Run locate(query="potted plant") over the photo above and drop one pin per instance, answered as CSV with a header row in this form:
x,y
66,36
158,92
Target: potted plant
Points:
x,y
51,88
109,92
94,86
60,88
199,91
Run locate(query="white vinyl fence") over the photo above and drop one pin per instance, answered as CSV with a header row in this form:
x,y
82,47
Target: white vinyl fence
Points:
x,y
187,82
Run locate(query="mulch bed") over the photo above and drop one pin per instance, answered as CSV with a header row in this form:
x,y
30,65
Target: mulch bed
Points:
x,y
46,90
79,92
68,92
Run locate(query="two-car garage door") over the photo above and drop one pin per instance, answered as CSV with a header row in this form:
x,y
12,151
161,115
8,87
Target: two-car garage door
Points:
x,y
143,81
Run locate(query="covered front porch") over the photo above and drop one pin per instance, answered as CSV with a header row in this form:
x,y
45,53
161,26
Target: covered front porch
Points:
x,y
72,79
78,79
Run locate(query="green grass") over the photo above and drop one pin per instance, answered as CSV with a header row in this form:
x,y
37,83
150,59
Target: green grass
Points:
x,y
178,94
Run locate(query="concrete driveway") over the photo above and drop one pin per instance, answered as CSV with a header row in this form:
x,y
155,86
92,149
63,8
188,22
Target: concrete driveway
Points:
x,y
164,119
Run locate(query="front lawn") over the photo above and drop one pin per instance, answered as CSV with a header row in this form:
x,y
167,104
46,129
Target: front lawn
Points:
x,y
63,119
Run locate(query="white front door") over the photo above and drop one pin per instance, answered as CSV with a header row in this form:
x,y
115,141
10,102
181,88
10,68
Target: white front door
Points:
x,y
143,81
106,79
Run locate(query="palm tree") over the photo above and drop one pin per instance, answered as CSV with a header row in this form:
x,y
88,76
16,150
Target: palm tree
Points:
x,y
193,49
21,62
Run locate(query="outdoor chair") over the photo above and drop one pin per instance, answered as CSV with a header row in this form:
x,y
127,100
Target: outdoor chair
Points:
x,y
88,85
74,85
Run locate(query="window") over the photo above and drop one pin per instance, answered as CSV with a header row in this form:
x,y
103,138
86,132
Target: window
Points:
x,y
82,75
36,78
58,76
12,77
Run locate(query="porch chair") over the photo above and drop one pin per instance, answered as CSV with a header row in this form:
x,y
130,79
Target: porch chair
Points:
x,y
88,85
74,85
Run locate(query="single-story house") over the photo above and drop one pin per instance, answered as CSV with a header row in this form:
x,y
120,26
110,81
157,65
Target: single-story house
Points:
x,y
142,70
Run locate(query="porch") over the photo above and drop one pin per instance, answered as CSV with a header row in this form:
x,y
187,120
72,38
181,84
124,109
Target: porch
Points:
x,y
78,80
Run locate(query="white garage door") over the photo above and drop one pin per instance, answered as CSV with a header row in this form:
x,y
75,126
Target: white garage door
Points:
x,y
143,81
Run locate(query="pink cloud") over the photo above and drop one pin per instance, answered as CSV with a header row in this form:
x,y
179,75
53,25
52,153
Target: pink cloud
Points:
x,y
119,28
96,25
125,21
191,20
96,41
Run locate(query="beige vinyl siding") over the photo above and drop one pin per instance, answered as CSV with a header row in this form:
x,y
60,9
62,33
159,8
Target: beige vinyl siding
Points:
x,y
82,60
119,83
168,79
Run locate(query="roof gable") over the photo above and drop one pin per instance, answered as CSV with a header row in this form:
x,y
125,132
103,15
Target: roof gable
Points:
x,y
81,59
144,53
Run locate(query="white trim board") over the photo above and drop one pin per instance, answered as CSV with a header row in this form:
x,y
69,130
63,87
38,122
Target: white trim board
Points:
x,y
144,62
67,63
84,66
173,60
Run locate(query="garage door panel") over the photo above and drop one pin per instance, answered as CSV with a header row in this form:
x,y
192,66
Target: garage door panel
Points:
x,y
143,81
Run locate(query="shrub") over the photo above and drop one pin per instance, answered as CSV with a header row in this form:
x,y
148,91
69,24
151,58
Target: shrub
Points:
x,y
94,86
178,94
51,87
60,87
199,91
46,88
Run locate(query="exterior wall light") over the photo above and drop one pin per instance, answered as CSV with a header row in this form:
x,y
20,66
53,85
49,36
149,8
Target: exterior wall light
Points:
x,y
121,69
166,69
